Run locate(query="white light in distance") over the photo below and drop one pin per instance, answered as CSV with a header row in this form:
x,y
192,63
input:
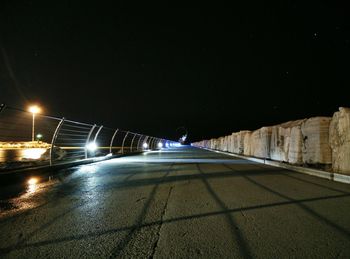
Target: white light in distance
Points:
x,y
92,146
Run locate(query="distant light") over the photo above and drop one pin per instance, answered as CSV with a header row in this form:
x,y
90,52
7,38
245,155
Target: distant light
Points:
x,y
33,180
145,145
160,145
34,109
92,146
39,136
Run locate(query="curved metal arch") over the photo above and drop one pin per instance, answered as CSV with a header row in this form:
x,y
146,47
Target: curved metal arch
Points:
x,y
98,132
139,141
132,141
150,143
54,137
155,141
145,141
126,135
112,139
88,139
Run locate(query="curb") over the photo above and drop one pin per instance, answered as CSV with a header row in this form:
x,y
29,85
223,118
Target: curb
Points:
x,y
314,172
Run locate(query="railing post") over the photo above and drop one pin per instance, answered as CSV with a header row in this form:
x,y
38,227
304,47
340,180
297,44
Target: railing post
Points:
x,y
88,139
132,142
110,145
138,142
54,137
153,141
124,141
150,143
157,142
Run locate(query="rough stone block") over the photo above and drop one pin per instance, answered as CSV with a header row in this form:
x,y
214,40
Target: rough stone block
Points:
x,y
260,142
225,143
235,146
281,140
339,139
316,148
247,143
295,154
229,143
240,141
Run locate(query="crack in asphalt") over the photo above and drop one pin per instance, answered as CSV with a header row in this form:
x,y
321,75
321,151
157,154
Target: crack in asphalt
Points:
x,y
155,245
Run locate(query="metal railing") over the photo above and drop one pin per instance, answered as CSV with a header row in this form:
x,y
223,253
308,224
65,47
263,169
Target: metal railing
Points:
x,y
59,140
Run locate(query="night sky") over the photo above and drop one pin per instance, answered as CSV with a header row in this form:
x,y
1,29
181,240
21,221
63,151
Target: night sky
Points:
x,y
153,68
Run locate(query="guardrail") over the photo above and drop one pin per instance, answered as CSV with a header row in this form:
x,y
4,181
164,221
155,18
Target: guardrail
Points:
x,y
32,139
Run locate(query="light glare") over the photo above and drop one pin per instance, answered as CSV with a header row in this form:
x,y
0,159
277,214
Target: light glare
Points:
x,y
33,180
33,153
34,109
92,146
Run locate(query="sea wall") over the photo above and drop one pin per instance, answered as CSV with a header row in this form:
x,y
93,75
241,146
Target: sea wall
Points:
x,y
317,142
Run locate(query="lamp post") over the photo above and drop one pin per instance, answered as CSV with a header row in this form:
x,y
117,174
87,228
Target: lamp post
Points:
x,y
34,110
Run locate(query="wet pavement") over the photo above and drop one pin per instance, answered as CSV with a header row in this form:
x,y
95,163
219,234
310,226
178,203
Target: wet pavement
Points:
x,y
176,203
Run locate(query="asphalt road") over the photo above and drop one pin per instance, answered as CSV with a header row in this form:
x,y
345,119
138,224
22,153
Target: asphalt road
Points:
x,y
178,203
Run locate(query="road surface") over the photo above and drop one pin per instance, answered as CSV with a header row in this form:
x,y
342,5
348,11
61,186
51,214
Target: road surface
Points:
x,y
178,203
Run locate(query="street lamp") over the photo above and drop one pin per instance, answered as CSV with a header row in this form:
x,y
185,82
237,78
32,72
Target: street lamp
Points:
x,y
34,110
39,137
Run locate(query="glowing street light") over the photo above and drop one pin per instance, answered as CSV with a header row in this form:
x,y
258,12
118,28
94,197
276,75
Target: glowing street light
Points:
x,y
34,110
39,136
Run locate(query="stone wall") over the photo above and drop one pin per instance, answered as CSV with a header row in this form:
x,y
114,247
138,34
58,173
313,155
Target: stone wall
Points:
x,y
318,141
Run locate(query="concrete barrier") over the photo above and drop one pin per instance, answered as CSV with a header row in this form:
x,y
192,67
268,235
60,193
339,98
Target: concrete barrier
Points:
x,y
322,142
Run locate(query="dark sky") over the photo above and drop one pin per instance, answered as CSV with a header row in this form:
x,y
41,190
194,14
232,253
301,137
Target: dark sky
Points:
x,y
153,68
